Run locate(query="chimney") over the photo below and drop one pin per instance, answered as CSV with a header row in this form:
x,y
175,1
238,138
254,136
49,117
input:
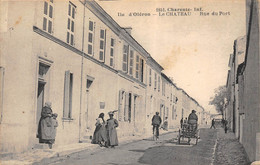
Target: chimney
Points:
x,y
128,29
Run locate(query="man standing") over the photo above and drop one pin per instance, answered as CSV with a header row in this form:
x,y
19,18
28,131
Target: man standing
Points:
x,y
213,124
181,122
156,122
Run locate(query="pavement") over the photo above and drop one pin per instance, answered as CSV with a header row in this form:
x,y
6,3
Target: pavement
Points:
x,y
38,155
229,150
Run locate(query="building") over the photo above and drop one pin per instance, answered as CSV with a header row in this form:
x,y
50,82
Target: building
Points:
x,y
75,55
243,85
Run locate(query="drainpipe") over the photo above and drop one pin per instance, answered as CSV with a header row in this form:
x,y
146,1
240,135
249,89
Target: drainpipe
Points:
x,y
81,75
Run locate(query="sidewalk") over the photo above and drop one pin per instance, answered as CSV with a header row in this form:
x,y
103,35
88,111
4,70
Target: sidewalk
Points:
x,y
37,155
229,150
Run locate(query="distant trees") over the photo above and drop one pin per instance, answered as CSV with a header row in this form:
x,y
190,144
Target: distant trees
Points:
x,y
219,99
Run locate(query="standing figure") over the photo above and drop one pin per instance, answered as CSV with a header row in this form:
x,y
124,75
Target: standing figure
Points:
x,y
213,124
226,127
181,122
45,128
100,133
185,121
54,126
165,124
111,130
156,122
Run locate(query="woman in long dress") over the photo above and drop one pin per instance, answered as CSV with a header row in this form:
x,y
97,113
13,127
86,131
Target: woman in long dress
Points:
x,y
100,135
111,130
45,129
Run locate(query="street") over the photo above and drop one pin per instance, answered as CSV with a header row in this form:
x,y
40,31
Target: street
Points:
x,y
164,151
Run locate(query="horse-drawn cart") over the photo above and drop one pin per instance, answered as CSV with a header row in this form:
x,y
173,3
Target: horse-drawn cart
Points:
x,y
188,131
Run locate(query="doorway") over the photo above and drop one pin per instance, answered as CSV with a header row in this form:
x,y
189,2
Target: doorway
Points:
x,y
42,91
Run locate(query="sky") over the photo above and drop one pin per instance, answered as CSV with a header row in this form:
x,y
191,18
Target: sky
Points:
x,y
194,50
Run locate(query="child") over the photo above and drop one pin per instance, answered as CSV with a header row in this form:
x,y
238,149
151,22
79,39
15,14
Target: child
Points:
x,y
54,125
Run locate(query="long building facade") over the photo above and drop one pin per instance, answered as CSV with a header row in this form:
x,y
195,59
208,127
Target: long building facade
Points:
x,y
73,54
243,90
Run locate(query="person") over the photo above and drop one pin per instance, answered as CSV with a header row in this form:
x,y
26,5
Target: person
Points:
x,y
54,126
185,121
226,127
181,122
100,134
112,124
213,124
45,128
165,124
156,122
192,120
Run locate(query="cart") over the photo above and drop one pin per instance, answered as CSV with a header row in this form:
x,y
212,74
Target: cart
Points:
x,y
188,131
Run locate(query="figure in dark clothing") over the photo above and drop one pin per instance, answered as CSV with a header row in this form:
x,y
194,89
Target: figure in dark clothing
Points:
x,y
226,127
213,124
156,122
193,120
181,122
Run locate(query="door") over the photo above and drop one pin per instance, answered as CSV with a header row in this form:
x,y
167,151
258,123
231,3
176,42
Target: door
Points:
x,y
40,100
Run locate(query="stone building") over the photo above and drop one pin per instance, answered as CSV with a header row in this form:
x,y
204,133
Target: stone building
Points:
x,y
73,54
243,85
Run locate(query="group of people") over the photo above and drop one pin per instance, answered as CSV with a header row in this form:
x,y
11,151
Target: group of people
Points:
x,y
105,133
47,125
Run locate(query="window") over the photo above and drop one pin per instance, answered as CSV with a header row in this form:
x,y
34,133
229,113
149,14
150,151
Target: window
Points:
x,y
68,87
142,70
71,22
137,67
91,38
48,16
150,77
131,64
112,44
163,88
125,58
102,45
173,113
159,84
155,80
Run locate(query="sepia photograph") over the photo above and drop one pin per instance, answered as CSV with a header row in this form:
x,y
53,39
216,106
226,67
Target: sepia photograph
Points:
x,y
129,82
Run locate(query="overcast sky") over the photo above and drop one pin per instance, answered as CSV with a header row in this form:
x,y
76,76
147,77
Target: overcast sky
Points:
x,y
194,49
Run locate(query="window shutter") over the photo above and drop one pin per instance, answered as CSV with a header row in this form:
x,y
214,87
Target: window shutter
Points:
x,y
66,94
120,106
126,106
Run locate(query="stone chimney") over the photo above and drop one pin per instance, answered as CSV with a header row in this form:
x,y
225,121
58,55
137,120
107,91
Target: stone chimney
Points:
x,y
128,29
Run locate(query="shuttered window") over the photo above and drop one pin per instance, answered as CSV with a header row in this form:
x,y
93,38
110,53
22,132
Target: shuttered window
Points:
x,y
91,37
48,16
68,89
71,24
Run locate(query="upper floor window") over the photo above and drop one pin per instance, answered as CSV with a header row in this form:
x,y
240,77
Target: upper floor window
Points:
x,y
155,80
150,77
48,16
90,37
125,58
141,70
137,67
131,64
71,22
159,84
102,45
112,44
